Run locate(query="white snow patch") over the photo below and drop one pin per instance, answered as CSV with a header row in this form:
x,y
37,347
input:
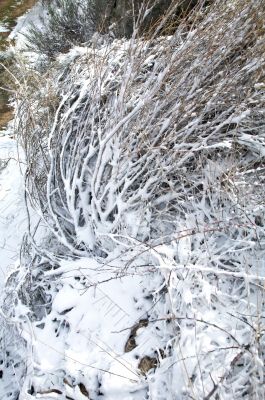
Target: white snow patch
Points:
x,y
13,216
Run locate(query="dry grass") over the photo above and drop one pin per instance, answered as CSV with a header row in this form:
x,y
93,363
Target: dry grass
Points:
x,y
12,10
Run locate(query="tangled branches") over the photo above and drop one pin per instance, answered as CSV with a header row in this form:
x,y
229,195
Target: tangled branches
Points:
x,y
140,124
152,151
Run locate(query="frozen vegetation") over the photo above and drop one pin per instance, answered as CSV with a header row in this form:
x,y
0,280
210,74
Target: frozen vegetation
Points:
x,y
144,276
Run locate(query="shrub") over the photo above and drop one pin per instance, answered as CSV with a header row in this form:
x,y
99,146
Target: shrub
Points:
x,y
66,23
70,22
154,153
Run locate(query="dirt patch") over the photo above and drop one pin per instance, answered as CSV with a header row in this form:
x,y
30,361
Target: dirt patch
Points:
x,y
5,110
5,117
10,10
20,9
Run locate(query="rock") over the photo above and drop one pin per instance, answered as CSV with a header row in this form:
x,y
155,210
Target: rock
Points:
x,y
83,390
146,364
131,342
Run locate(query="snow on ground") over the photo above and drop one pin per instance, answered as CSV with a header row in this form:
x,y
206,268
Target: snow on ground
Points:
x,y
13,216
3,28
13,226
93,321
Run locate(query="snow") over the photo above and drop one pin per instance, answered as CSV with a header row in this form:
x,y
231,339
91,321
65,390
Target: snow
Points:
x,y
95,316
13,215
3,28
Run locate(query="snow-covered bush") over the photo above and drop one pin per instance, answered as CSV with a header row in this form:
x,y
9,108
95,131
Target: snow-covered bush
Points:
x,y
69,22
66,22
146,163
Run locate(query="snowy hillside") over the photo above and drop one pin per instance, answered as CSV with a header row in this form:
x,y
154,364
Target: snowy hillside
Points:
x,y
145,161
